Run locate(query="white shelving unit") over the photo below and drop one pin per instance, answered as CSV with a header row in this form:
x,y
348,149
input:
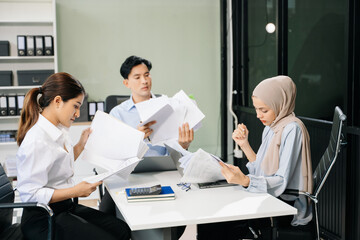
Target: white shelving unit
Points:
x,y
23,17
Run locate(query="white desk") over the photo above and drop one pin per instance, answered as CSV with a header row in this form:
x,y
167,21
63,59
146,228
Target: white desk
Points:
x,y
195,206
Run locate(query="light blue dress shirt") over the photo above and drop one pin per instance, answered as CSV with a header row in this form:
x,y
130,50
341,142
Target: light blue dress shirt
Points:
x,y
127,112
288,176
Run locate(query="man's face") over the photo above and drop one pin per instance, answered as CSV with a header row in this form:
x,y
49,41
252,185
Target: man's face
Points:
x,y
139,82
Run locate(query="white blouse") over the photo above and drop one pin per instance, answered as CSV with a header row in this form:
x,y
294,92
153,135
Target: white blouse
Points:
x,y
289,174
43,164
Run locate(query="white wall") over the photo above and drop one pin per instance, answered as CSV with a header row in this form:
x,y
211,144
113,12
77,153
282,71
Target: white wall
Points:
x,y
180,37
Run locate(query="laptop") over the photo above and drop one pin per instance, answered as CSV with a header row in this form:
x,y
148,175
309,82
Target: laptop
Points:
x,y
155,164
175,155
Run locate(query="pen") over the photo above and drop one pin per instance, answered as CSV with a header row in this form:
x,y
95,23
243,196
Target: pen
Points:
x,y
148,138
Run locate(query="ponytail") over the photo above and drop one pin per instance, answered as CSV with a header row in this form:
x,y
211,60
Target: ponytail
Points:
x,y
59,84
29,114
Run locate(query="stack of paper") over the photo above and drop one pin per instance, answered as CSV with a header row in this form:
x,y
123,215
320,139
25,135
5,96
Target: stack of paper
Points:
x,y
166,194
169,114
113,146
200,167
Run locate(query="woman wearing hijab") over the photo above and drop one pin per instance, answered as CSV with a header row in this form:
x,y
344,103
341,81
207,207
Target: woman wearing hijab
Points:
x,y
282,162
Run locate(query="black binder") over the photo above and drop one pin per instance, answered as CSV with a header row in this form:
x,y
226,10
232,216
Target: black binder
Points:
x,y
20,103
39,45
92,110
21,44
30,46
11,105
3,106
49,45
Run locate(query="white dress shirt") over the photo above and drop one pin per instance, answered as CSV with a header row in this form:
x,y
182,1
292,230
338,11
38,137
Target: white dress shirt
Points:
x,y
43,164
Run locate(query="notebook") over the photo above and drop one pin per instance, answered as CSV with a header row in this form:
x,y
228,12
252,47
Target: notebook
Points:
x,y
175,155
166,194
155,164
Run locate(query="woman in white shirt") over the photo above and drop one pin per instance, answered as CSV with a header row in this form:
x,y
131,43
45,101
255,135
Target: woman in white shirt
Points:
x,y
282,162
45,162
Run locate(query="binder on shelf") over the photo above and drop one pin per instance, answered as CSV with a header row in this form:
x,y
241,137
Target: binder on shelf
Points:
x,y
49,45
20,103
4,48
30,46
100,106
39,45
92,110
84,111
21,45
11,105
3,106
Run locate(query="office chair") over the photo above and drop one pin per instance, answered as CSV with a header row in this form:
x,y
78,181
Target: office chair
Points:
x,y
320,175
112,101
7,229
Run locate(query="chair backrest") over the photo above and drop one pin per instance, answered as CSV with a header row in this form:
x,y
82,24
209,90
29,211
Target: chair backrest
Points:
x,y
6,196
114,100
329,157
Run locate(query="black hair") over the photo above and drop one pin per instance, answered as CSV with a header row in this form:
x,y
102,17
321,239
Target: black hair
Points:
x,y
131,62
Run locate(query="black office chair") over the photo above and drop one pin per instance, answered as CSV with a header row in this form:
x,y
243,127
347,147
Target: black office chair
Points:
x,y
7,229
112,101
320,175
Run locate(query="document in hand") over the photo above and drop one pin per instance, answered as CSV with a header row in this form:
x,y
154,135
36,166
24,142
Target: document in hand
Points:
x,y
169,114
113,145
200,167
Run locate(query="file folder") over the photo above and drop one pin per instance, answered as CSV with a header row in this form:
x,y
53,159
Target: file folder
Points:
x,y
30,46
20,103
3,106
11,105
39,45
49,45
100,106
21,44
92,110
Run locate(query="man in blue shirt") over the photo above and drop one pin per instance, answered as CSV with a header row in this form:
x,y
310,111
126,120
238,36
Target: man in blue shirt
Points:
x,y
136,74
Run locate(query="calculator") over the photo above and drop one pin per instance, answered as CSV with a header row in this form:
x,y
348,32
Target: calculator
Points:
x,y
154,190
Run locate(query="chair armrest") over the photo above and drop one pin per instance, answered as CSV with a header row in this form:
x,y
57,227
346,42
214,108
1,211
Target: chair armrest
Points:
x,y
28,205
295,192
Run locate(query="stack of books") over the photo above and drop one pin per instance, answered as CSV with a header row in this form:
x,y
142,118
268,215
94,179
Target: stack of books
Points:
x,y
166,194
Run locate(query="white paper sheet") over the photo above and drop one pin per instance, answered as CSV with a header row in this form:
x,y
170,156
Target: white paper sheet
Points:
x,y
169,114
113,146
158,109
113,139
201,168
123,170
193,114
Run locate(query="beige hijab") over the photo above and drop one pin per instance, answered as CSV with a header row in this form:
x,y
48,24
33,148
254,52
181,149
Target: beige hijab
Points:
x,y
279,94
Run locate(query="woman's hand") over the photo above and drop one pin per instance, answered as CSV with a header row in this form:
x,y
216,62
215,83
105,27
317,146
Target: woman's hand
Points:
x,y
240,135
186,135
79,147
146,129
233,174
84,137
84,189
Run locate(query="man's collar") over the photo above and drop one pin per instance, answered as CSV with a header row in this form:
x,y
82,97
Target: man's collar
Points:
x,y
131,103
